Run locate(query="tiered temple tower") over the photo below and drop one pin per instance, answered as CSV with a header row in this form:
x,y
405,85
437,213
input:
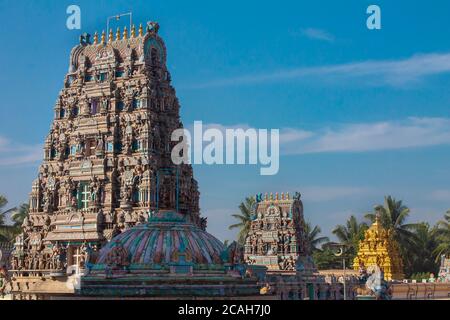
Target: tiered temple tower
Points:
x,y
107,159
379,248
277,235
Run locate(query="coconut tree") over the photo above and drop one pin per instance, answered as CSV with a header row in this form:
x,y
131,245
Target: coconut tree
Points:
x,y
244,218
7,232
393,215
3,203
350,235
19,215
312,237
443,237
425,243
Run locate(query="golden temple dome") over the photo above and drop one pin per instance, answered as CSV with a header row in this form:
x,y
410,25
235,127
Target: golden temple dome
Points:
x,y
379,248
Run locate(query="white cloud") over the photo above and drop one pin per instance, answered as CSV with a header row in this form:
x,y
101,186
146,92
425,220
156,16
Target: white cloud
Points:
x,y
371,72
363,137
318,34
358,137
12,153
322,194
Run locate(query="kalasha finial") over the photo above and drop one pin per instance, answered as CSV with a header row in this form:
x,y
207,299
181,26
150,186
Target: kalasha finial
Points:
x,y
96,37
110,36
378,215
141,30
103,39
118,33
125,33
133,31
287,195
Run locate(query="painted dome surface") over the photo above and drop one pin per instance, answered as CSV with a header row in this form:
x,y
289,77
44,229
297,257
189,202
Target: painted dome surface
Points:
x,y
162,240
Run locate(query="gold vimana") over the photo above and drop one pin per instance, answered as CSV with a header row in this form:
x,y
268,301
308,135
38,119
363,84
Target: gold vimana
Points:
x,y
379,248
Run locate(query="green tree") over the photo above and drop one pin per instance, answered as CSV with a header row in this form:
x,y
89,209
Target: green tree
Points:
x,y
312,237
350,235
9,232
244,218
3,214
326,259
425,243
19,215
443,237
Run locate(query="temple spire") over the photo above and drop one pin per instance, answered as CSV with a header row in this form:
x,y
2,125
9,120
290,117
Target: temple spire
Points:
x,y
110,36
103,39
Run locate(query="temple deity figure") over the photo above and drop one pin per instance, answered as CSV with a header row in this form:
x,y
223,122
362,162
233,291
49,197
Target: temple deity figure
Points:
x,y
47,200
95,187
100,148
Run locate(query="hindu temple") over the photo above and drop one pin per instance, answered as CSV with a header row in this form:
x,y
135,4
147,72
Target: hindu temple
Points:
x,y
380,249
111,216
277,236
108,188
277,241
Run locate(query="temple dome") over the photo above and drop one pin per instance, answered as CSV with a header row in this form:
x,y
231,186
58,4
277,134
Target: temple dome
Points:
x,y
161,242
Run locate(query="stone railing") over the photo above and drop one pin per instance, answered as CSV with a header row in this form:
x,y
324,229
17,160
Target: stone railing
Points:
x,y
420,291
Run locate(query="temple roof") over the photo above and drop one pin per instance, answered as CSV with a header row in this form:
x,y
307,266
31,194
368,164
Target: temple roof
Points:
x,y
162,241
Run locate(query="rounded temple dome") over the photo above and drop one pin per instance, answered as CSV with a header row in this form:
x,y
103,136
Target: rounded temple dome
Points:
x,y
162,241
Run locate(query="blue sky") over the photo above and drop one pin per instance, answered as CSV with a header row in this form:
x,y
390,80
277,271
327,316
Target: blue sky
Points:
x,y
362,113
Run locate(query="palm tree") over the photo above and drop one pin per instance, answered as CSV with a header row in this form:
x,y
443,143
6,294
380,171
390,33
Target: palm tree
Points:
x,y
244,218
425,243
393,215
3,203
443,237
6,232
350,235
312,237
19,215
9,232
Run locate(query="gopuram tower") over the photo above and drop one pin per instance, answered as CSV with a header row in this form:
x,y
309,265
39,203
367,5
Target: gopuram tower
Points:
x,y
276,238
107,158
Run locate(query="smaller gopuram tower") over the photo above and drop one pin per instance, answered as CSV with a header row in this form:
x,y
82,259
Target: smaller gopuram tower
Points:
x,y
276,238
379,248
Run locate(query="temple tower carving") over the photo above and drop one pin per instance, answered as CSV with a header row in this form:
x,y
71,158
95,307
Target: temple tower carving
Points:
x,y
107,158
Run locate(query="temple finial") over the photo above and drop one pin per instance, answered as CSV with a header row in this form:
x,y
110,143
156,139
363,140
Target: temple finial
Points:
x,y
110,36
141,30
103,39
118,33
378,215
133,31
96,37
125,33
